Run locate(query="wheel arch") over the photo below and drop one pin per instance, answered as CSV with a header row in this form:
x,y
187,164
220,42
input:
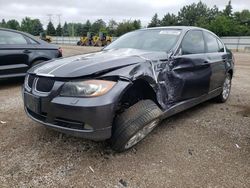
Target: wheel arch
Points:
x,y
39,59
139,89
230,71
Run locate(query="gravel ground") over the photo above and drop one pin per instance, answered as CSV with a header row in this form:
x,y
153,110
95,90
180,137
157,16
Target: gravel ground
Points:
x,y
206,146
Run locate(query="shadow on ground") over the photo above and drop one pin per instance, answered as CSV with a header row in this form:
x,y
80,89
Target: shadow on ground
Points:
x,y
11,82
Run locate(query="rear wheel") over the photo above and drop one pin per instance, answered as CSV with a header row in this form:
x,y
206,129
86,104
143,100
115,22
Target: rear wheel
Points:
x,y
226,88
134,125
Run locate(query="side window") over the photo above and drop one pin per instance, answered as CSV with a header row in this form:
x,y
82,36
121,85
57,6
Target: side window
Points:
x,y
221,46
193,43
212,45
8,37
32,41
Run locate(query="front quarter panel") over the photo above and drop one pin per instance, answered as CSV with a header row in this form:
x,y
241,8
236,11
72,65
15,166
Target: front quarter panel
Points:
x,y
153,72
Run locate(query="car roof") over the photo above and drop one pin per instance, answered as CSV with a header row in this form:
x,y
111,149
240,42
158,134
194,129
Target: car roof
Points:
x,y
183,28
28,35
174,27
16,31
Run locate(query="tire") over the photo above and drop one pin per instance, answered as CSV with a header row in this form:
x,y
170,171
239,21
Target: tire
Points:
x,y
36,62
226,88
99,43
134,125
108,43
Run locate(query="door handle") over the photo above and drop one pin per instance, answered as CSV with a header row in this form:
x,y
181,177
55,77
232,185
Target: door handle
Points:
x,y
26,51
205,62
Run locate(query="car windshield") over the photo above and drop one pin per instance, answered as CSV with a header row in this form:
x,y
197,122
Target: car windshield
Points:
x,y
151,40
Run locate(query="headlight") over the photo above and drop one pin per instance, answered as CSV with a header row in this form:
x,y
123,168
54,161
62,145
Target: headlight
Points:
x,y
88,88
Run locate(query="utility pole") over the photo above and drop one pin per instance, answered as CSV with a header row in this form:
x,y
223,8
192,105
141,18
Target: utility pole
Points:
x,y
59,18
50,17
59,22
73,30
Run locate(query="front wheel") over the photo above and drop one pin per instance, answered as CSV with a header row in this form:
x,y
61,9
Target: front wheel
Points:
x,y
226,89
108,42
134,125
99,43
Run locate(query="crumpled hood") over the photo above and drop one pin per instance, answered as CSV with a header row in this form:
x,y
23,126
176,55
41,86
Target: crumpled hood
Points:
x,y
95,63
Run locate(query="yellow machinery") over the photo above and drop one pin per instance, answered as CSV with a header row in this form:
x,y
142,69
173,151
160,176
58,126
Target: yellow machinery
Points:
x,y
90,40
102,39
45,37
86,41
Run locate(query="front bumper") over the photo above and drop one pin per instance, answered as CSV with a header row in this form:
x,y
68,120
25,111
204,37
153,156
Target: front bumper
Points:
x,y
89,118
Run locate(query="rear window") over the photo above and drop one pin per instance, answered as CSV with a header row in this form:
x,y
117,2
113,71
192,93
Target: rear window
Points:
x,y
221,46
212,44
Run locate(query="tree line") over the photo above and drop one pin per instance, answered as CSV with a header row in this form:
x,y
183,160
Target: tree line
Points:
x,y
35,27
222,22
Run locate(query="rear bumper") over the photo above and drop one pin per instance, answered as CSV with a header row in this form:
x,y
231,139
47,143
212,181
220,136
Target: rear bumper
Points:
x,y
89,118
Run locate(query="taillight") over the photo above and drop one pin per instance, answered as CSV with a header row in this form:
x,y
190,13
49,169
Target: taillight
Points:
x,y
60,51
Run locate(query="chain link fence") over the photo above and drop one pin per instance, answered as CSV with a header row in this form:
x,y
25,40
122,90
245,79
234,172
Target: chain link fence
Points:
x,y
237,43
234,43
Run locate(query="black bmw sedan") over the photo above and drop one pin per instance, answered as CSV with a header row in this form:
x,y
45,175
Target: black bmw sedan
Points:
x,y
19,51
124,91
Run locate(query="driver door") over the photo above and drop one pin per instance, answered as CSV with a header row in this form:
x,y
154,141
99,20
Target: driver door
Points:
x,y
190,70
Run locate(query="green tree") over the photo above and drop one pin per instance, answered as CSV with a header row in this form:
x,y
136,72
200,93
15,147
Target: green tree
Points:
x,y
13,24
206,20
86,28
191,14
154,21
222,26
59,30
79,29
97,26
137,24
65,30
242,17
27,25
169,19
51,29
32,26
37,27
213,13
228,10
124,27
3,23
112,26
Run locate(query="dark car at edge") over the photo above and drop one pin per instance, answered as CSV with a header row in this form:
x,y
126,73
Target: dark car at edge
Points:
x,y
19,51
121,93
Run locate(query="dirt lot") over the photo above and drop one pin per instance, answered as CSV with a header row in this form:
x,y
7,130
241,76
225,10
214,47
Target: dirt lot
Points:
x,y
206,146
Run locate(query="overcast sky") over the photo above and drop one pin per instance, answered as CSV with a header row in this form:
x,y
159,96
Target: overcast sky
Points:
x,y
81,10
